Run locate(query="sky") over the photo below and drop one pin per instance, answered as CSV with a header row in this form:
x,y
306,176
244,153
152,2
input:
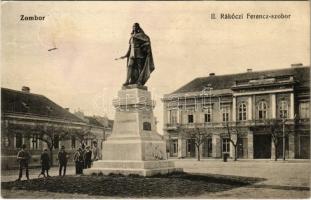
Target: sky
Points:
x,y
81,73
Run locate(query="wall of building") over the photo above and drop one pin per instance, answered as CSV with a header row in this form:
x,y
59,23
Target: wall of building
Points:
x,y
10,136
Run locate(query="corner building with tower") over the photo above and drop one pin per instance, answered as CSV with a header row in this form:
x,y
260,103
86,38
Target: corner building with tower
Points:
x,y
244,102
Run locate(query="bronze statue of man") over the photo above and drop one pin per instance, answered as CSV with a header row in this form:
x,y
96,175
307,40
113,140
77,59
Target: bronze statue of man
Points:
x,y
139,57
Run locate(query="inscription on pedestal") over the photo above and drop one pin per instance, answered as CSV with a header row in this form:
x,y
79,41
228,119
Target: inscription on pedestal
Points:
x,y
126,121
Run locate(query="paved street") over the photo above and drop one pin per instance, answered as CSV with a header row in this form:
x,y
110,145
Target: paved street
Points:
x,y
289,179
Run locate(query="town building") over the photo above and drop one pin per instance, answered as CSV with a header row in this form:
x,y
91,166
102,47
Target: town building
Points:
x,y
253,106
40,123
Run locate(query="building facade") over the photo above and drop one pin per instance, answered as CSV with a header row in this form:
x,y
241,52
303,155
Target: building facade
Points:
x,y
33,119
246,104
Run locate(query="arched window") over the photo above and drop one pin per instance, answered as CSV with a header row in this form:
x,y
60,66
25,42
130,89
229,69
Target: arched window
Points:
x,y
283,109
242,111
262,110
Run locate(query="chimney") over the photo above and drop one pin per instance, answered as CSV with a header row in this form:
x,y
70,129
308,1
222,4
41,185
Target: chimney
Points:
x,y
249,70
25,89
296,65
211,74
67,109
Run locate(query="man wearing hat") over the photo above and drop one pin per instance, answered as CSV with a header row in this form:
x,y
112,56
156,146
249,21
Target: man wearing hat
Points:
x,y
62,159
45,163
79,161
87,158
23,158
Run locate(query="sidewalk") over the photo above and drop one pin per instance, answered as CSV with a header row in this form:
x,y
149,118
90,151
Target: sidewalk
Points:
x,y
244,160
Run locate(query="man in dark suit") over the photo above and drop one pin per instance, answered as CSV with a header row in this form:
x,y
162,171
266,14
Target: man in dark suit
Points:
x,y
23,158
62,159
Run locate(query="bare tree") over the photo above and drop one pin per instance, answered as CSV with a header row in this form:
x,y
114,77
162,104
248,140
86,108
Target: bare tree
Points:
x,y
274,127
199,136
50,134
81,133
234,135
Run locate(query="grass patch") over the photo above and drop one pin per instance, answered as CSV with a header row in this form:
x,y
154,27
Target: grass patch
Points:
x,y
176,185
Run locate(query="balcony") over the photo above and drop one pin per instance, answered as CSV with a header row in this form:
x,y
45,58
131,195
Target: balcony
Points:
x,y
171,126
176,126
246,123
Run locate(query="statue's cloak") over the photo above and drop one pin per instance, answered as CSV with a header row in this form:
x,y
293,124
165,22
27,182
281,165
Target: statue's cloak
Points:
x,y
148,66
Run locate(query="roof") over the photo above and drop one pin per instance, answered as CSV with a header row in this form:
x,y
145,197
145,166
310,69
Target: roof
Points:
x,y
302,74
93,121
18,102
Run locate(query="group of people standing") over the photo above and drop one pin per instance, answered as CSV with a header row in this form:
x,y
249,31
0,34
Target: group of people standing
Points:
x,y
83,159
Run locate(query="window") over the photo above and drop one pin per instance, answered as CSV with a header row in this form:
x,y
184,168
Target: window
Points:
x,y
34,141
73,142
242,112
208,114
225,145
190,118
304,110
5,141
56,142
18,140
283,109
225,113
262,110
173,116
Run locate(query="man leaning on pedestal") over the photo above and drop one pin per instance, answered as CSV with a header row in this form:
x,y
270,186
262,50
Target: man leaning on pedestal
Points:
x,y
95,152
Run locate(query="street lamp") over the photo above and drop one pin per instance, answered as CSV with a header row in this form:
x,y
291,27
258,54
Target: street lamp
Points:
x,y
284,119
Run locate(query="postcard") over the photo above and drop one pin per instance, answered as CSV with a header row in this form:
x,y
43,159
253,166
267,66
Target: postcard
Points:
x,y
155,99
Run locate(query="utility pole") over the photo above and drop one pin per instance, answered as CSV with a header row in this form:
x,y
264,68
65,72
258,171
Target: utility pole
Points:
x,y
283,123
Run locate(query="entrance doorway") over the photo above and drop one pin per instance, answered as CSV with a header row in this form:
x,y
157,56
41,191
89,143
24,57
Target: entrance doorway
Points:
x,y
262,146
304,147
207,148
190,148
280,147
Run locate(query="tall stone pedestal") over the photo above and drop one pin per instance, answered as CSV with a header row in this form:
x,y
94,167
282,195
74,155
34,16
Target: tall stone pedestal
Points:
x,y
134,146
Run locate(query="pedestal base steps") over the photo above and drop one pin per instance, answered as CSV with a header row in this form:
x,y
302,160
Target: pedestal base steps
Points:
x,y
141,168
